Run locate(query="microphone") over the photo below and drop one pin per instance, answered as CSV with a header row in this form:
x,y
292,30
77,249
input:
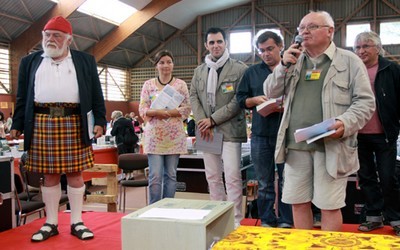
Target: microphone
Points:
x,y
297,40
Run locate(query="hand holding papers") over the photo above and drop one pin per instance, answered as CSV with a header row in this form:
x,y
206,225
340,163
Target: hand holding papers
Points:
x,y
315,132
168,98
270,106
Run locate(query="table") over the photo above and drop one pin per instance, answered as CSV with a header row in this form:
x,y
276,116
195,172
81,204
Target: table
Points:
x,y
278,238
163,233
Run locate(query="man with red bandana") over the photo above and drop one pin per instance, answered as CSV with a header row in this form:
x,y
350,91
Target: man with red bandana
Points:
x,y
58,91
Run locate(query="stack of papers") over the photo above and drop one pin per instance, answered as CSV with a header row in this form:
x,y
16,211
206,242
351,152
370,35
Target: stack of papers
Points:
x,y
315,132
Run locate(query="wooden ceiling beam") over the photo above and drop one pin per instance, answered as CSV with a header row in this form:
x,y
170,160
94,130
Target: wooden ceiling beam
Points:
x,y
393,7
344,22
274,20
129,26
176,34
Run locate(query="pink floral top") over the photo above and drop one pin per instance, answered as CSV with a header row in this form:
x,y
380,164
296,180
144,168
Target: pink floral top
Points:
x,y
164,136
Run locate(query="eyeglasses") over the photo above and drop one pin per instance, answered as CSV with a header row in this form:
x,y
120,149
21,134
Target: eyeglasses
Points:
x,y
267,49
364,47
311,27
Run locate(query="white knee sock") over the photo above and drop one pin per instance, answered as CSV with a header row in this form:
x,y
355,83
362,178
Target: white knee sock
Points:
x,y
51,198
75,197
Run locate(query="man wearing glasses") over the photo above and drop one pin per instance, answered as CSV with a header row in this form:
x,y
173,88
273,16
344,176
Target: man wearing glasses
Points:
x,y
377,148
263,132
319,81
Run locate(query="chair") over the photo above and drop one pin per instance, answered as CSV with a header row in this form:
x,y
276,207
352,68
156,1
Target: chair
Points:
x,y
131,162
25,208
33,182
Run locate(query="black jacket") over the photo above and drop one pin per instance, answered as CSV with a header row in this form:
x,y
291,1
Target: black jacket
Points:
x,y
118,129
387,94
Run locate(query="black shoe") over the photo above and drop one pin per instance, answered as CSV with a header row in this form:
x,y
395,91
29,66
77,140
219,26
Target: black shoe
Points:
x,y
79,233
369,226
45,234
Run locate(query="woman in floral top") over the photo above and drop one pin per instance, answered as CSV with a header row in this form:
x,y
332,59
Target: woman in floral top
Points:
x,y
164,134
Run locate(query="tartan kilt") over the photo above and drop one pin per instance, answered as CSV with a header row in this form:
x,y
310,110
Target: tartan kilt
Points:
x,y
57,146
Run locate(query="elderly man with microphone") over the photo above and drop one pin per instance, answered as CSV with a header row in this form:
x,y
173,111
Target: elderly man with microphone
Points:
x,y
319,81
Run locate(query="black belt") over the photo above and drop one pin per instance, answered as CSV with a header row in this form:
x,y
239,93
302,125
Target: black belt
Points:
x,y
57,111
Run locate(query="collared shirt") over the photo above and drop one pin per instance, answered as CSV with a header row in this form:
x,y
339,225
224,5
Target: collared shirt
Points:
x,y
56,81
251,86
330,52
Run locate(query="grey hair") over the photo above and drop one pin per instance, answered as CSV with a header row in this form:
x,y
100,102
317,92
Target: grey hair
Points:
x,y
370,36
116,114
328,19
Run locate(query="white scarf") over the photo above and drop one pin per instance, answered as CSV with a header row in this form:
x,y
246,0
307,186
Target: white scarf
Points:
x,y
213,75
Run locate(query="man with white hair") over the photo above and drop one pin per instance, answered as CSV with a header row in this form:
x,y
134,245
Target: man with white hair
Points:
x,y
319,81
377,147
58,92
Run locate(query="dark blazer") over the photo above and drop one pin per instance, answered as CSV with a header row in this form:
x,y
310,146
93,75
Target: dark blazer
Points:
x,y
387,97
90,94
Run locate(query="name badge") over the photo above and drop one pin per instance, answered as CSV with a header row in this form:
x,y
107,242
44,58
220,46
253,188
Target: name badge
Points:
x,y
227,87
313,74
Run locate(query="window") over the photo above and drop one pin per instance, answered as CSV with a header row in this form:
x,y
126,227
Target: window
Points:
x,y
113,83
112,11
390,32
4,70
352,30
240,42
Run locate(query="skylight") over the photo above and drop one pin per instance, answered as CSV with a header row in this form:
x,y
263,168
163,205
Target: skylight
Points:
x,y
112,11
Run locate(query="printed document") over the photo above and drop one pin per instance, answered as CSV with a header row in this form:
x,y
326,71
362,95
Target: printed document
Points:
x,y
175,213
90,121
315,132
168,98
212,147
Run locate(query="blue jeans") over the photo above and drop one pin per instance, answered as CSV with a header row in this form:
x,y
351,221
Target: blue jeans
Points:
x,y
162,176
262,154
378,179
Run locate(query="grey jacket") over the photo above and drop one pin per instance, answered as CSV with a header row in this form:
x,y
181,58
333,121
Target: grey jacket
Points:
x,y
228,116
346,95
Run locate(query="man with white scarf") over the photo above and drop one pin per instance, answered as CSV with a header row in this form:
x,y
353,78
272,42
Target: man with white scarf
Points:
x,y
215,109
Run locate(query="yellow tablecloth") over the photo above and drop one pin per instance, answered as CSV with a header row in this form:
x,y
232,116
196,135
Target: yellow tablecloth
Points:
x,y
248,237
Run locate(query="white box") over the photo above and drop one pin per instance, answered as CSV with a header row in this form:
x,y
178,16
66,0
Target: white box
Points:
x,y
161,233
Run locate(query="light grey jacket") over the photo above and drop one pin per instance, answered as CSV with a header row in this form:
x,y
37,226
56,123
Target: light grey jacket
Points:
x,y
346,95
228,116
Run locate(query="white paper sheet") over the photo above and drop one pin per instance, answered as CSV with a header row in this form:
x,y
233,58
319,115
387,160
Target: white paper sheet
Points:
x,y
168,98
90,121
175,213
315,130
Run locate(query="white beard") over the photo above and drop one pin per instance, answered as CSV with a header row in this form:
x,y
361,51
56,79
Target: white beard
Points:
x,y
53,52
